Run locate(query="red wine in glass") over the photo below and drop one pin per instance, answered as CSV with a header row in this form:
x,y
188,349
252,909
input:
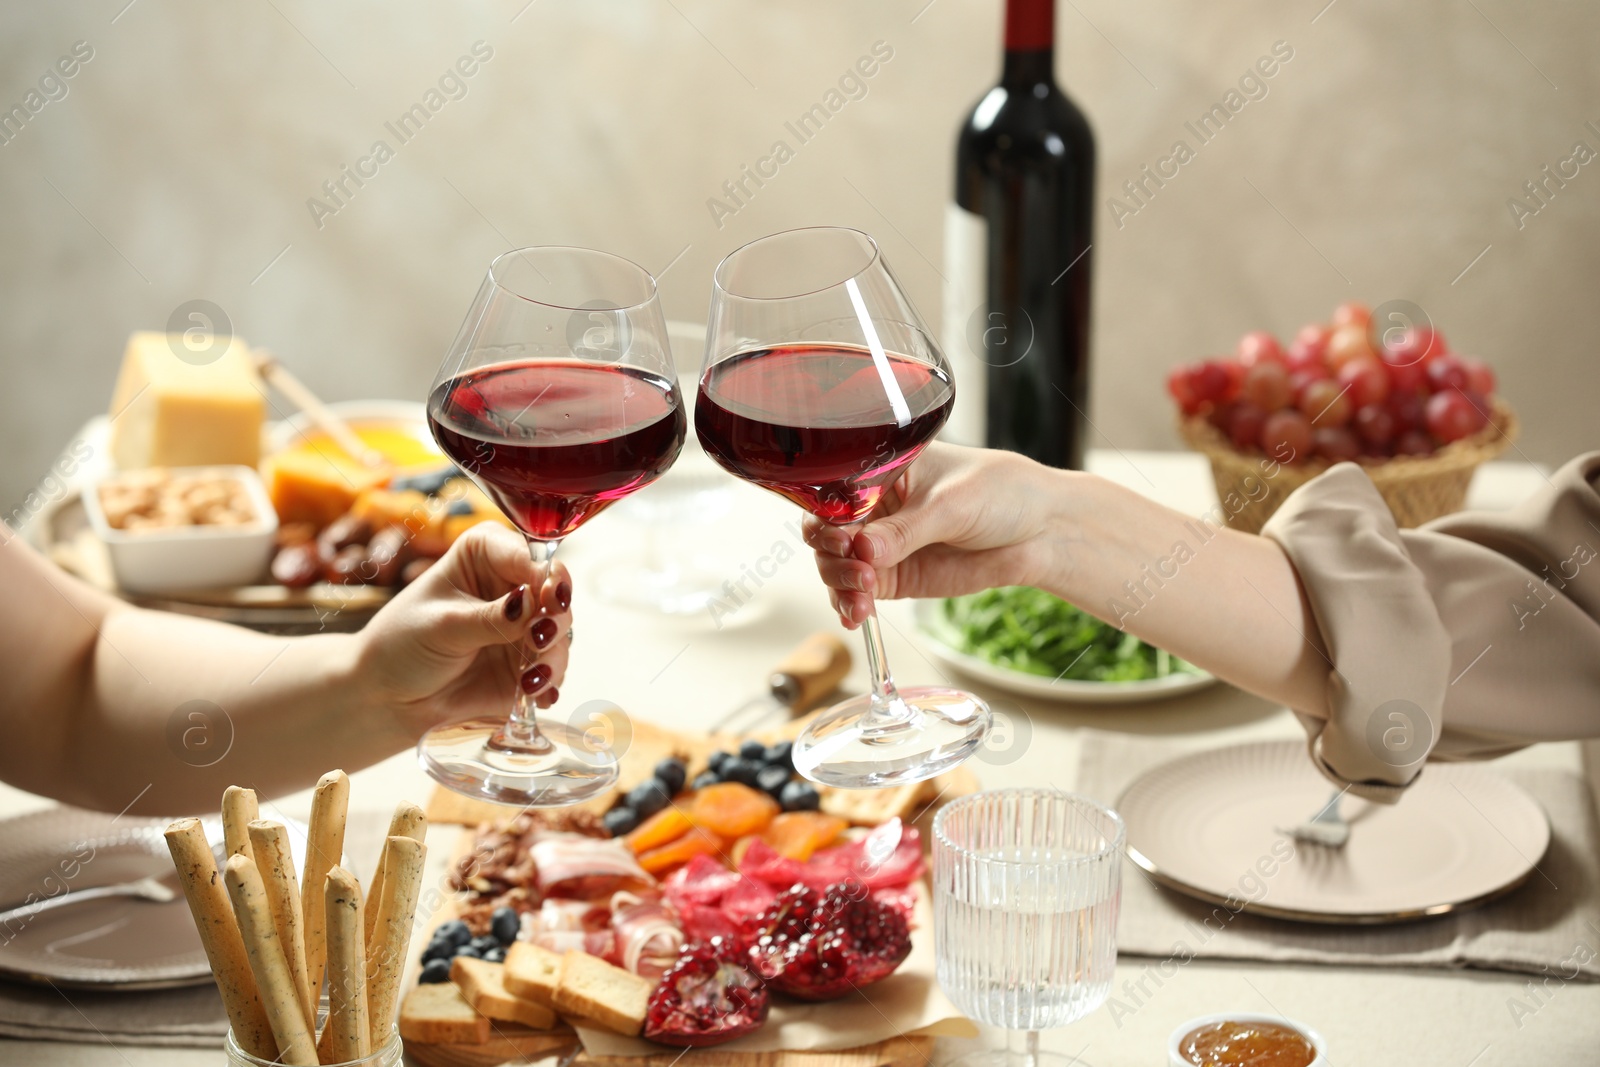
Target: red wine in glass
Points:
x,y
555,442
826,425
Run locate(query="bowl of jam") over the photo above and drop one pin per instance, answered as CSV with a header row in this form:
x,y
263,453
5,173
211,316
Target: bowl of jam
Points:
x,y
1244,1039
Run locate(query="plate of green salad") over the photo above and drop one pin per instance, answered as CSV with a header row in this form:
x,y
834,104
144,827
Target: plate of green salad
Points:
x,y
1030,642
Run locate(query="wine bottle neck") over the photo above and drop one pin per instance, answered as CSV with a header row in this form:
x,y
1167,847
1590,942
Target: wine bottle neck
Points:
x,y
1030,42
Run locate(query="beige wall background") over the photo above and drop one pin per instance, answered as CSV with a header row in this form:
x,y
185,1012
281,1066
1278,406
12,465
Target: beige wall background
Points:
x,y
179,162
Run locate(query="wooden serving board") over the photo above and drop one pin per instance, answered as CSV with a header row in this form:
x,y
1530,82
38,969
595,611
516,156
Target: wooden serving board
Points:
x,y
513,1045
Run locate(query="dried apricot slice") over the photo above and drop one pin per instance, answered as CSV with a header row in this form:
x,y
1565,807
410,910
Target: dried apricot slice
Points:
x,y
732,810
666,825
797,834
697,842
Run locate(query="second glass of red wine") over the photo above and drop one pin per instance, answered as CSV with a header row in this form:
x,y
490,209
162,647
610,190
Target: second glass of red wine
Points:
x,y
557,398
822,384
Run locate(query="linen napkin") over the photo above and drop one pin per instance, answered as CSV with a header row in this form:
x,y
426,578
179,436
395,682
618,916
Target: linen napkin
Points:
x,y
1536,929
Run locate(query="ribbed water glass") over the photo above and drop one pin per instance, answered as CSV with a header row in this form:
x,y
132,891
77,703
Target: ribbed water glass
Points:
x,y
1026,885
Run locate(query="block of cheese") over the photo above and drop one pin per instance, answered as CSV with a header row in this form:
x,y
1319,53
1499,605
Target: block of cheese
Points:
x,y
316,486
168,411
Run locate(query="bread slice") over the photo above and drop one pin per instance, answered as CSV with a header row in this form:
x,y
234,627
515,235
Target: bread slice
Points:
x,y
598,992
532,972
482,985
437,1014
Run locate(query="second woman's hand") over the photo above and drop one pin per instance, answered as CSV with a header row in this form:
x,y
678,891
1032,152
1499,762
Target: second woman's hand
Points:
x,y
959,520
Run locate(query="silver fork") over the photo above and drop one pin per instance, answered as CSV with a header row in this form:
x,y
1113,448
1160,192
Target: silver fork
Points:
x,y
1326,827
144,888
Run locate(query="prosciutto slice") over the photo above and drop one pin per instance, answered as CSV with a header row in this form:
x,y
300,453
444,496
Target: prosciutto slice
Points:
x,y
585,868
647,932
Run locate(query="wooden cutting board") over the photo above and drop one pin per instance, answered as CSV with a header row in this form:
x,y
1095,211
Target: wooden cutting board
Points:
x,y
512,1046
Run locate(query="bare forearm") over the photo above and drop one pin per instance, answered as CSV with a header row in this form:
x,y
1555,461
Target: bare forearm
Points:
x,y
1226,601
187,707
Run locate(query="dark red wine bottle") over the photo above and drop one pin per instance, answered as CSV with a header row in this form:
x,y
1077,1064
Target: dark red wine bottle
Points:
x,y
1017,250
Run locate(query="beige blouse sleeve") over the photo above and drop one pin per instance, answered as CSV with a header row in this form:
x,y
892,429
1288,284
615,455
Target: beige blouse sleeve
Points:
x,y
1468,638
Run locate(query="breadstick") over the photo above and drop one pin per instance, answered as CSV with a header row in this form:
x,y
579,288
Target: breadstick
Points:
x,y
239,809
347,1035
279,996
408,821
275,863
386,953
219,933
324,848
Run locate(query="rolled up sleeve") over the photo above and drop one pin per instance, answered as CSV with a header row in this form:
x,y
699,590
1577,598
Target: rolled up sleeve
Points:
x,y
1467,638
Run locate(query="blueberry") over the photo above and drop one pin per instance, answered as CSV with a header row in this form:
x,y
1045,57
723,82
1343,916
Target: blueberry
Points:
x,y
495,955
619,821
800,796
672,773
504,924
741,770
435,971
752,750
772,780
717,759
483,944
469,950
706,778
648,797
430,482
439,949
460,507
455,931
780,755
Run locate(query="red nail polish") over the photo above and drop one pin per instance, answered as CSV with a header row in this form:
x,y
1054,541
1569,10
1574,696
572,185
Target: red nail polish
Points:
x,y
544,631
564,595
552,696
515,601
535,678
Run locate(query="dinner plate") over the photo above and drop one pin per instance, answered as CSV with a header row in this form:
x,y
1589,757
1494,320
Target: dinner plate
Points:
x,y
110,943
1204,824
935,640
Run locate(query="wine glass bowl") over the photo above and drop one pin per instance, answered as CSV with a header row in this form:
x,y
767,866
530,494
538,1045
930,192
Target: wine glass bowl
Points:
x,y
822,385
557,398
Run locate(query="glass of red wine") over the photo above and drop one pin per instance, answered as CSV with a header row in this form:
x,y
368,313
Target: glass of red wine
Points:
x,y
558,398
822,384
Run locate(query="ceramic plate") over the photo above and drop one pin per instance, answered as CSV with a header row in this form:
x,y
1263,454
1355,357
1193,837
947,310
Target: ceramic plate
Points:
x,y
934,639
119,942
1205,825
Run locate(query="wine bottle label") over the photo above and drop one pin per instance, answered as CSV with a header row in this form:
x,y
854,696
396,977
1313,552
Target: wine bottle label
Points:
x,y
966,261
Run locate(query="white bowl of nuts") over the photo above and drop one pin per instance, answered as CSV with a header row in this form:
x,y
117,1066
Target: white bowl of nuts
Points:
x,y
179,528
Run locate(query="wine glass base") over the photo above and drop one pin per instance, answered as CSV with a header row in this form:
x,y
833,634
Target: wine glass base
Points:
x,y
837,750
999,1057
471,758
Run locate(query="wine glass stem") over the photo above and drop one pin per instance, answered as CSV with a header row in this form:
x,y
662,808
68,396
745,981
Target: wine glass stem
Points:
x,y
888,711
523,725
1029,1057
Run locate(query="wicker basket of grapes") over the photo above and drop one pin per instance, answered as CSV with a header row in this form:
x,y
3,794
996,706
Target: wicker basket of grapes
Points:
x,y
1416,416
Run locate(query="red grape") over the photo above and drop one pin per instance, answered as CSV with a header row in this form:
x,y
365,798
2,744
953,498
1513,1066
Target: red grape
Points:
x,y
1335,443
1244,425
1235,374
1352,313
1209,382
1309,345
1286,435
1375,424
1417,345
1326,404
1366,380
1348,343
1480,379
1299,379
1266,385
1413,443
1403,377
1446,372
1452,416
1407,411
1259,346
1180,383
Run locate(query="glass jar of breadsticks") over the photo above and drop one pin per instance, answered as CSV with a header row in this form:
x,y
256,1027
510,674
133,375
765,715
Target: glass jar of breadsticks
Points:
x,y
309,968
